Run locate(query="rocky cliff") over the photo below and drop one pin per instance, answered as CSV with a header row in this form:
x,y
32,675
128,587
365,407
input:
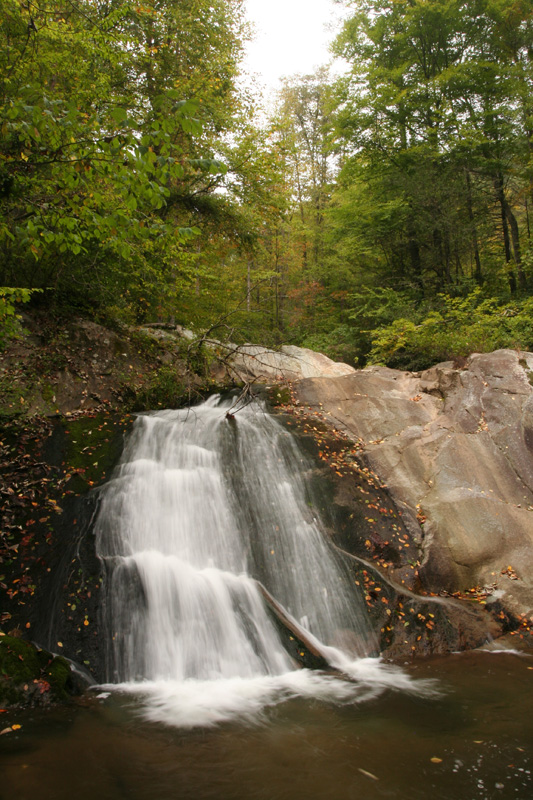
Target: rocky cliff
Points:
x,y
454,445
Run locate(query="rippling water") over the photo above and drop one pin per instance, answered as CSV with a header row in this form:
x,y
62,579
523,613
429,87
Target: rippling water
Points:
x,y
480,729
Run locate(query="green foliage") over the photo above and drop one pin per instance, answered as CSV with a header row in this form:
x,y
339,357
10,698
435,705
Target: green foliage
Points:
x,y
135,185
431,128
457,327
363,311
372,307
164,389
435,118
106,119
340,344
409,177
10,327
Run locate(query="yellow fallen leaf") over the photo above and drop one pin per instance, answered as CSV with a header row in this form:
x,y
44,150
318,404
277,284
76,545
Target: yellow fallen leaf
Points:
x,y
436,760
16,727
368,774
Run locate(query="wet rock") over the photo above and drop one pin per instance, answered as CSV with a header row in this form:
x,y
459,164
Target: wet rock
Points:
x,y
32,676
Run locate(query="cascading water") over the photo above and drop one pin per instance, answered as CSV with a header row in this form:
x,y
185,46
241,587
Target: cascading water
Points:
x,y
201,507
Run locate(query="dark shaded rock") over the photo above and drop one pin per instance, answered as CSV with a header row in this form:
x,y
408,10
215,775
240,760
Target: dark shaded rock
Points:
x,y
51,575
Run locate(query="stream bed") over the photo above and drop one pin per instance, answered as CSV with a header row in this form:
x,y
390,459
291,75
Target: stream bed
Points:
x,y
470,741
206,690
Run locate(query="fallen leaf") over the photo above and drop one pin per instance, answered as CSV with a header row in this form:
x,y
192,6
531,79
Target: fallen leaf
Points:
x,y
368,774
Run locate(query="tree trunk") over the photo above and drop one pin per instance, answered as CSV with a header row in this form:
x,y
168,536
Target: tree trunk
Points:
x,y
515,238
478,275
498,185
416,261
248,284
447,257
197,278
458,266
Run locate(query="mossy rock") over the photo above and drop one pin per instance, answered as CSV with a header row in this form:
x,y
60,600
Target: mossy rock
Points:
x,y
30,676
279,396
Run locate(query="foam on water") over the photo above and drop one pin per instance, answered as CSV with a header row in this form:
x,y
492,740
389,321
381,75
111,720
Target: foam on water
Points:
x,y
196,703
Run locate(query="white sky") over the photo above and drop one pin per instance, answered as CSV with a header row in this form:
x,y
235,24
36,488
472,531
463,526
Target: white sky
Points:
x,y
291,37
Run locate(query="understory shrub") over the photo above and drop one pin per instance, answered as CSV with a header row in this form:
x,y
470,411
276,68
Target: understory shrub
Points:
x,y
10,326
458,327
339,344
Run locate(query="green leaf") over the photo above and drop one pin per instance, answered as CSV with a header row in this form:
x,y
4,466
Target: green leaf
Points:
x,y
118,114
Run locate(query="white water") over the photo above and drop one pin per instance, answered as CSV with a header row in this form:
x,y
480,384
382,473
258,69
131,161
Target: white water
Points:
x,y
199,508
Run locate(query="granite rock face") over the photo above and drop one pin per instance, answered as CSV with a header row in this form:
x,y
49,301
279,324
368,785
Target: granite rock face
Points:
x,y
454,444
290,363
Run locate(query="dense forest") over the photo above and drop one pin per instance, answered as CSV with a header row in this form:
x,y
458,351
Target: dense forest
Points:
x,y
382,216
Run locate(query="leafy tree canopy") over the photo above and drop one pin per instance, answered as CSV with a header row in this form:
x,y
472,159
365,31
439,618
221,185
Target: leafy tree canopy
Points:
x,y
108,113
382,215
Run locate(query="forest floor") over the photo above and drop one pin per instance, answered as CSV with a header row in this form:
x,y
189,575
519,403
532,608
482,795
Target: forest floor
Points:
x,y
64,365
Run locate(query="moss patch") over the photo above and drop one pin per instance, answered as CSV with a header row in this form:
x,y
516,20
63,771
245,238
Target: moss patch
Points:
x,y
29,676
279,396
92,446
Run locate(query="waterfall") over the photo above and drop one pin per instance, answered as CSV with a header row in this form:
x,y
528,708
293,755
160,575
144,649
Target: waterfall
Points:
x,y
202,507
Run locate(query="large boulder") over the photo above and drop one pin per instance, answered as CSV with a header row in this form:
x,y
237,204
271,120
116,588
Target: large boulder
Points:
x,y
454,444
251,362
